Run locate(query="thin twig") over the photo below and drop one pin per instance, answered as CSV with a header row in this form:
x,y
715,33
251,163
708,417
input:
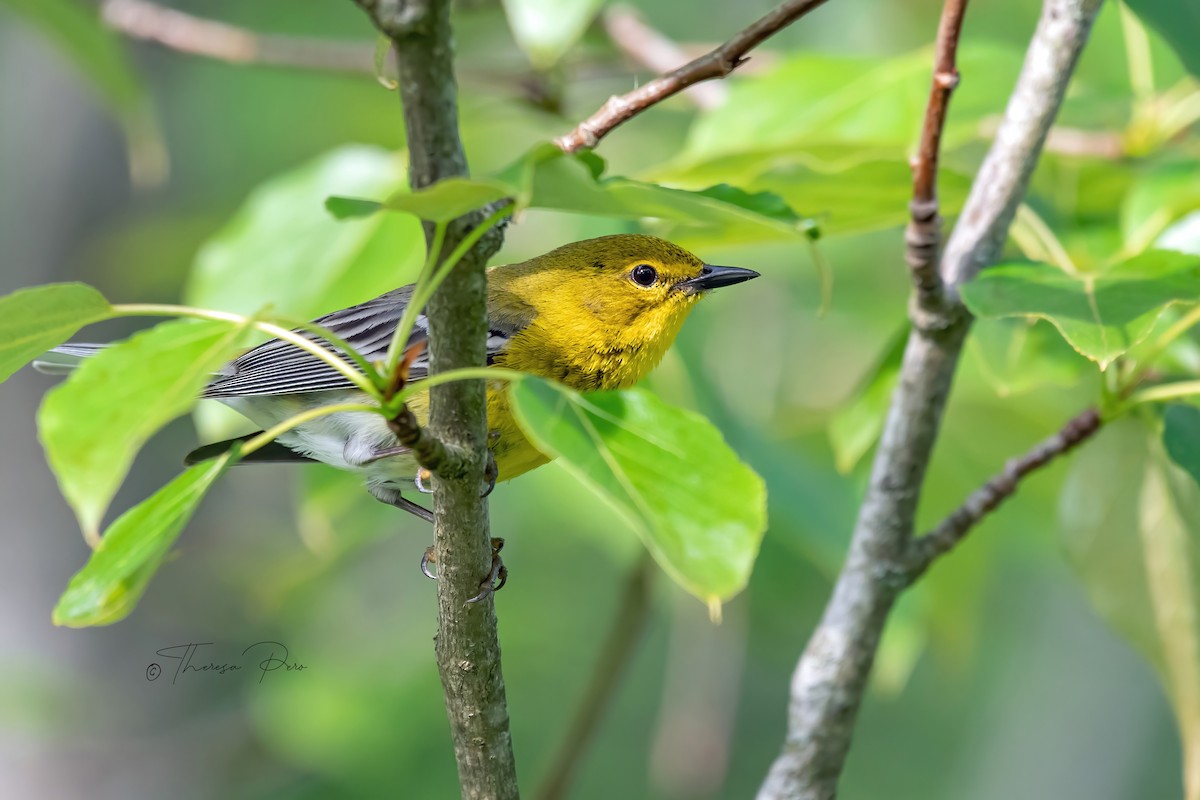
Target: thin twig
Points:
x,y
925,550
649,48
140,19
923,238
831,676
716,64
614,655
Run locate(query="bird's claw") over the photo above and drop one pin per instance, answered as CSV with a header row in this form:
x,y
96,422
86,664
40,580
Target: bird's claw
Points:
x,y
428,558
496,577
490,473
422,481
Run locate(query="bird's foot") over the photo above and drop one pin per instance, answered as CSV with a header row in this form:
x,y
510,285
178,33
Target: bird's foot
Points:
x,y
496,578
490,473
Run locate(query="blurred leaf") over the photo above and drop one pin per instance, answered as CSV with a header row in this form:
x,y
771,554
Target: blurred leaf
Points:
x,y
101,60
1156,200
863,197
546,29
93,424
1177,21
818,99
1181,437
854,429
700,511
765,203
283,248
113,580
1130,522
1020,355
36,319
1101,314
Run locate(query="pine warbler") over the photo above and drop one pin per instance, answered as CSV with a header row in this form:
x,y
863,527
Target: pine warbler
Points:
x,y
597,314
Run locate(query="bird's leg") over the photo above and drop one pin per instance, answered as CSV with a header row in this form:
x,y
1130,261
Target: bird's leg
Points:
x,y
421,481
405,504
496,577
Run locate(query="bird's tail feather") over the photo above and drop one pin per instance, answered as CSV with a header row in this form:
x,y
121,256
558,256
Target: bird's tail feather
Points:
x,y
66,358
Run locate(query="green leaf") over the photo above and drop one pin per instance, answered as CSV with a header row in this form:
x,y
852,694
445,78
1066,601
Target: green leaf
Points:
x,y
449,199
1130,523
1102,314
93,424
698,508
1156,200
812,100
546,29
1181,437
1019,355
283,248
855,428
116,576
36,319
1176,21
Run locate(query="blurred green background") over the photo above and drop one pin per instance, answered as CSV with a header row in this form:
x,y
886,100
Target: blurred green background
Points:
x,y
996,678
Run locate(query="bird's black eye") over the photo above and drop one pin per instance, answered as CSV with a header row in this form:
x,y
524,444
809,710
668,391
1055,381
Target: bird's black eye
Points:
x,y
644,275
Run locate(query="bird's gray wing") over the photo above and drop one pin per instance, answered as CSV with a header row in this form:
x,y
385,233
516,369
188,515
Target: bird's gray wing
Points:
x,y
278,367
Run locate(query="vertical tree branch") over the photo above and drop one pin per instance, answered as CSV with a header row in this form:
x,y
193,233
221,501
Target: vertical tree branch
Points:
x,y
923,237
828,684
467,648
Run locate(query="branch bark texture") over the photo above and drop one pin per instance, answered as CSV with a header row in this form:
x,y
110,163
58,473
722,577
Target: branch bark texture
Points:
x,y
467,648
829,681
715,64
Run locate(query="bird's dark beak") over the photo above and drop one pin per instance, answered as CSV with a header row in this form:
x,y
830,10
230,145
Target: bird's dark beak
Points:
x,y
712,277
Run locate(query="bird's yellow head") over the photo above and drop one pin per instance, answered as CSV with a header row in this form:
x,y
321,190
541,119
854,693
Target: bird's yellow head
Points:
x,y
600,314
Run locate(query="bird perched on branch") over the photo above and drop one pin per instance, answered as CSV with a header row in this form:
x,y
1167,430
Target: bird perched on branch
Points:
x,y
597,314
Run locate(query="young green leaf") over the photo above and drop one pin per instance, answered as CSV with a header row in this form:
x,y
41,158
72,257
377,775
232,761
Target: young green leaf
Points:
x,y
1103,314
450,198
1130,521
94,423
36,319
698,508
1181,437
283,247
113,580
546,29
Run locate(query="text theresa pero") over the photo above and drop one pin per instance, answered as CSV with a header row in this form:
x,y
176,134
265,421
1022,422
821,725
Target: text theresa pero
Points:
x,y
262,656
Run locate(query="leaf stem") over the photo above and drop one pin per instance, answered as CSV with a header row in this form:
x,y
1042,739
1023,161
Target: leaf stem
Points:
x,y
164,310
416,302
1167,391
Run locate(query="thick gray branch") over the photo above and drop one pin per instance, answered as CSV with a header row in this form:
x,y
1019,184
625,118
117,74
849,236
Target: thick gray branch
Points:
x,y
829,681
468,650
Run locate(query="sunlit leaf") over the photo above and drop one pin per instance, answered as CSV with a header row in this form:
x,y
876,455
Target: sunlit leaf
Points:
x,y
816,99
93,424
1181,437
36,319
546,29
1101,314
1130,523
856,427
116,575
698,508
283,247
